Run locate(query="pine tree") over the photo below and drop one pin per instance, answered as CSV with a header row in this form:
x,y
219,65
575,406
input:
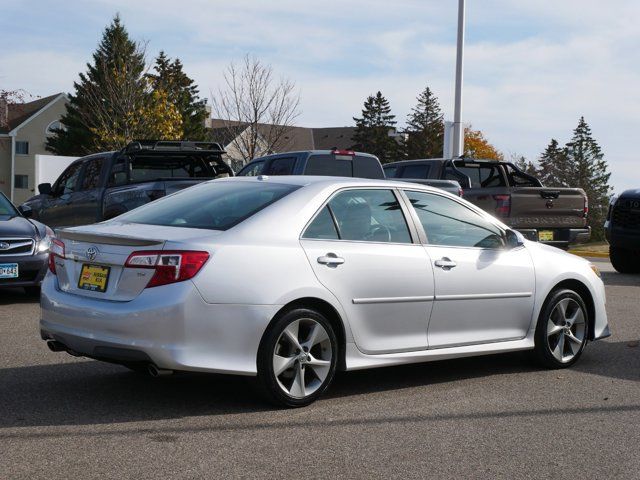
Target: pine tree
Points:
x,y
554,169
114,102
183,93
425,128
525,165
589,171
375,129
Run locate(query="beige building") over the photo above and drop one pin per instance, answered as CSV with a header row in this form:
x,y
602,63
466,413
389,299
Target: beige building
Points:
x,y
24,128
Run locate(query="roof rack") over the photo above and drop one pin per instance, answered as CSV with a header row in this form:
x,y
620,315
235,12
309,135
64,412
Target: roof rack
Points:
x,y
179,145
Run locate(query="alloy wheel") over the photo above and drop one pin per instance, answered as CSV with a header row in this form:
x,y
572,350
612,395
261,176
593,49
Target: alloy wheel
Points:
x,y
302,358
566,330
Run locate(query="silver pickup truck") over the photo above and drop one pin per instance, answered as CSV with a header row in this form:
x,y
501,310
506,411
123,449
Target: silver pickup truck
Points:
x,y
557,216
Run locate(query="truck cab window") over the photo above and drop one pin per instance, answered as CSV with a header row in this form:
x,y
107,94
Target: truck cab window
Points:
x,y
91,175
68,181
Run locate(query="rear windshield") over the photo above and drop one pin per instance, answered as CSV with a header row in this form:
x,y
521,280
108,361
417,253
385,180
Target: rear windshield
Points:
x,y
214,206
484,175
154,167
344,166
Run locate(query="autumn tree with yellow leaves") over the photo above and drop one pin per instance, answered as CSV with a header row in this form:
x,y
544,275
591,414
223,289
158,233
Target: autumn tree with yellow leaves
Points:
x,y
477,146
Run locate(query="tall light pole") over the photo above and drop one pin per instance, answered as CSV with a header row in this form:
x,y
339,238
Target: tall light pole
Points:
x,y
458,129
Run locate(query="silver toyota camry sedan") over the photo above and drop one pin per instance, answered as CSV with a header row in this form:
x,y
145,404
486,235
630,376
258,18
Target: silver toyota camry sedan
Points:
x,y
293,278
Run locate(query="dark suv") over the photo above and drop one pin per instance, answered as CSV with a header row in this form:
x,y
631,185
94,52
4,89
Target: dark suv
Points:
x,y
334,163
622,229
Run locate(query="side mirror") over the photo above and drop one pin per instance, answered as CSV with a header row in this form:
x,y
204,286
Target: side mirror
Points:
x,y
26,211
45,189
513,239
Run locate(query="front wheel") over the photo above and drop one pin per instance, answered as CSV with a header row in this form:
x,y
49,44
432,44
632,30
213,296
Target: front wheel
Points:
x,y
561,332
297,358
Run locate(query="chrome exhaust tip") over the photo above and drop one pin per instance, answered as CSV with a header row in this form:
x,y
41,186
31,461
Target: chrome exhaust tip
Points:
x,y
56,346
158,372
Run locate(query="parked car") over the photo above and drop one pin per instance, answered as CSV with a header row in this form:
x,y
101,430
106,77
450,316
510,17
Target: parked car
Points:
x,y
24,248
556,216
333,163
292,278
622,230
105,185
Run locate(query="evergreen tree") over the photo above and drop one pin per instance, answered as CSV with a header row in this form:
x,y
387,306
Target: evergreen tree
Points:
x,y
113,102
375,129
425,128
183,93
525,165
554,170
589,171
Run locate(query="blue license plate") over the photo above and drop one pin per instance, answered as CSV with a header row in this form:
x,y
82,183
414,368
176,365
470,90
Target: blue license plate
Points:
x,y
8,270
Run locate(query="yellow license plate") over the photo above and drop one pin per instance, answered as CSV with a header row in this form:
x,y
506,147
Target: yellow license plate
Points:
x,y
545,235
94,278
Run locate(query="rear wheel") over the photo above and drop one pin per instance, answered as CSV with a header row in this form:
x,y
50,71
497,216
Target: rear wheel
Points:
x,y
623,260
297,358
561,332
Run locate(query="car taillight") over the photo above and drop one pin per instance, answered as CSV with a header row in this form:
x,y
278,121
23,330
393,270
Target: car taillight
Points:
x,y
460,192
170,266
503,205
586,207
56,249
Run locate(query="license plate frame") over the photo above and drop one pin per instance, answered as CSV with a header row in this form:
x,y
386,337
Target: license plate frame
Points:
x,y
9,270
545,235
91,277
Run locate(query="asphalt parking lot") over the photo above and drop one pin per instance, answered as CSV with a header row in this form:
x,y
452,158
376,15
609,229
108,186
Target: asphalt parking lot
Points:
x,y
485,417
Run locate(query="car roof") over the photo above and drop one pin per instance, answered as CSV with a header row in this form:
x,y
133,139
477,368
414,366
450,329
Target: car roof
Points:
x,y
310,152
327,181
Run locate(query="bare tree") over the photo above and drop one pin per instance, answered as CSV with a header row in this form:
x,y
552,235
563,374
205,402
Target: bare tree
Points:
x,y
257,110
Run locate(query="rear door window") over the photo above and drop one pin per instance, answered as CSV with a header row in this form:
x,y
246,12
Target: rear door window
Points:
x,y
366,167
143,168
252,170
390,172
415,171
279,166
322,227
91,174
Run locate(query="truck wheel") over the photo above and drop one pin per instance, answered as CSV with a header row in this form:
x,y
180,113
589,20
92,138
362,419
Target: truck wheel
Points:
x,y
623,260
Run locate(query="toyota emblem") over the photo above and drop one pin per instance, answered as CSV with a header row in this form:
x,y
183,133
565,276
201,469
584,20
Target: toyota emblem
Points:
x,y
92,253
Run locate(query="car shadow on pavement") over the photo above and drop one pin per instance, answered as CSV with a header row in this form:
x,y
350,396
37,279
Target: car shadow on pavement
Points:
x,y
615,279
93,393
10,296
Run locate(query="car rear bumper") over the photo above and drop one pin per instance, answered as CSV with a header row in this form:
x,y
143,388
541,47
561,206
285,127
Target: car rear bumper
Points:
x,y
170,326
31,270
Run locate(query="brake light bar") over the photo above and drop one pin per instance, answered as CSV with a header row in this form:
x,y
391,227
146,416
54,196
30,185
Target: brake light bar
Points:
x,y
170,266
56,249
335,151
586,207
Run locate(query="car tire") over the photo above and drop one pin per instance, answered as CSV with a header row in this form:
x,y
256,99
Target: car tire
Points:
x,y
297,358
623,260
562,329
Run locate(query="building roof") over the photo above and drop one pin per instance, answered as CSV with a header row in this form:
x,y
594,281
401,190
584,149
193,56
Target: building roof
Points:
x,y
18,113
295,138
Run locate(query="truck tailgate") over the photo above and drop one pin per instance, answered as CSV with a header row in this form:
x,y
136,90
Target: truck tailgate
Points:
x,y
547,207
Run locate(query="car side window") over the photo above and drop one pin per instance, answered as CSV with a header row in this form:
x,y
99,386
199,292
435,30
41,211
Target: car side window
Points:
x,y
252,170
68,181
415,171
369,216
390,172
118,174
280,166
322,227
449,223
91,175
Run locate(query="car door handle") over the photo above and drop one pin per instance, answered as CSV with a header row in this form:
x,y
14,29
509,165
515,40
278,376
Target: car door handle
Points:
x,y
331,259
445,263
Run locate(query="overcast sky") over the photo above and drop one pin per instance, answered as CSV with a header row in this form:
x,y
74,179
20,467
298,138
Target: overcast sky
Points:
x,y
532,68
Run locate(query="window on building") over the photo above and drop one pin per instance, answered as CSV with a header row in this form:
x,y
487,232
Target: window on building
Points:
x,y
21,181
53,126
22,148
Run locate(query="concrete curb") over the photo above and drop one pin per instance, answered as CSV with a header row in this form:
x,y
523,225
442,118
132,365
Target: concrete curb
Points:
x,y
586,253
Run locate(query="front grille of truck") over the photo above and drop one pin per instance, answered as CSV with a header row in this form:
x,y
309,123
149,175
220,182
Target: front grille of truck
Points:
x,y
16,246
626,217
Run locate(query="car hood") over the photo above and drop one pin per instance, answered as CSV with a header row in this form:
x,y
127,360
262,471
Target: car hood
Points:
x,y
16,226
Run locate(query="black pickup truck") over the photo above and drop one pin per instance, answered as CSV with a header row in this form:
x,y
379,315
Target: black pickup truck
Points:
x,y
105,185
556,216
622,229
